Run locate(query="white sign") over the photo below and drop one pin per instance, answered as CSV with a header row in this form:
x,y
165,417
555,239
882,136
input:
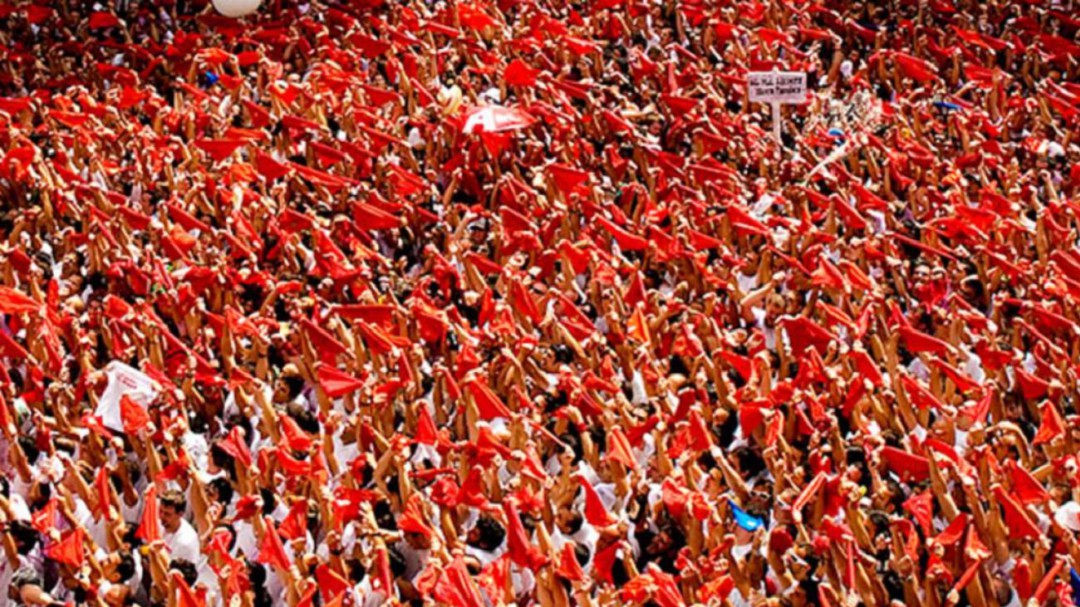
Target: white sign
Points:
x,y
777,87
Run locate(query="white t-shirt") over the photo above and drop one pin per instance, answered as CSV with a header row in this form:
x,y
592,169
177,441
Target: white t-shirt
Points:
x,y
184,543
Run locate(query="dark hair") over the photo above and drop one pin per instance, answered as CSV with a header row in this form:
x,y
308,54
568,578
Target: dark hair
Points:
x,y
224,490
126,568
491,533
575,522
24,534
186,568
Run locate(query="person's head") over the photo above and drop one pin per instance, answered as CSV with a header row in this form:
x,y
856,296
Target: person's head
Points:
x,y
24,535
920,275
220,490
569,521
417,541
488,534
186,569
171,510
118,566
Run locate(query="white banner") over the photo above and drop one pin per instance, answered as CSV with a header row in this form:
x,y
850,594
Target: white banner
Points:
x,y
777,87
123,379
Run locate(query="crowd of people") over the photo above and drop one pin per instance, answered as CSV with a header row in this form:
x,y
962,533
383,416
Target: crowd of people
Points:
x,y
382,302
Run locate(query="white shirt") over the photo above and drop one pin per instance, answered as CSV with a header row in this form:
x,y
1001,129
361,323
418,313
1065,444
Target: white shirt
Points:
x,y
184,543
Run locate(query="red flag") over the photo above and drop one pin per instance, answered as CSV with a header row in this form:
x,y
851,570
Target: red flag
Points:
x,y
567,178
1026,488
132,415
271,550
1051,426
804,333
569,568
595,512
15,302
104,492
920,396
619,450
335,383
1016,519
627,241
488,404
69,550
149,530
921,507
917,341
518,73
907,466
234,445
522,552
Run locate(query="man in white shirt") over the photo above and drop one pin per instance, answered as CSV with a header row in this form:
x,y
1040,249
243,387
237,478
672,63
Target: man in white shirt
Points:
x,y
179,536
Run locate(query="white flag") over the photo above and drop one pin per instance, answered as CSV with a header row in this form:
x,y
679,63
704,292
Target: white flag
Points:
x,y
123,380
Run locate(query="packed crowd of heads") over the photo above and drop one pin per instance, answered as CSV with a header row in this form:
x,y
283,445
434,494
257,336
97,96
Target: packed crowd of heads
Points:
x,y
468,303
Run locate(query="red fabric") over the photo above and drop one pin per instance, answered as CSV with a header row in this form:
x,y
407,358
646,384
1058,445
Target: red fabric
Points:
x,y
104,492
133,416
569,569
1025,487
271,550
595,513
294,524
618,449
804,333
917,341
919,395
1016,518
566,178
149,528
68,550
1051,427
907,466
921,507
915,68
954,531
522,552
14,302
488,405
234,445
412,519
336,383
627,241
